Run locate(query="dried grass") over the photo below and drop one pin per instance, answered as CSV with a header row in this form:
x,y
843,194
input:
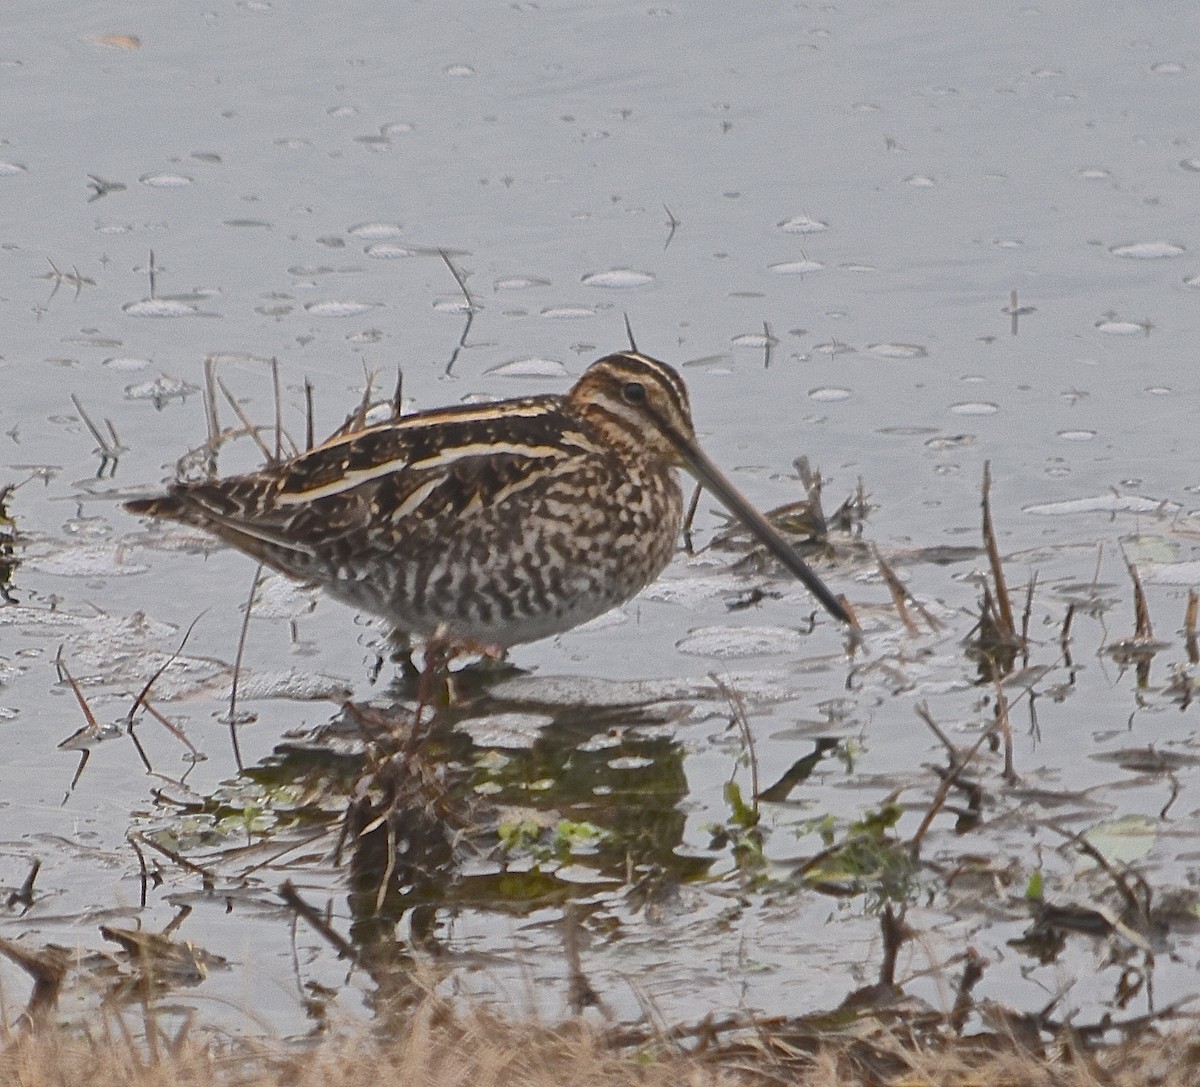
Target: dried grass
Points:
x,y
481,1050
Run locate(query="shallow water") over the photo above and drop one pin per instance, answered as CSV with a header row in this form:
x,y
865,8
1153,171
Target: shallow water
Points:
x,y
820,215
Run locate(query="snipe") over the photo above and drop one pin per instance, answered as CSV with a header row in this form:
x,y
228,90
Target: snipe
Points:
x,y
494,524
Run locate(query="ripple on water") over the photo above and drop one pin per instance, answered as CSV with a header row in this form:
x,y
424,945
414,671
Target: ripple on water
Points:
x,y
338,308
166,181
519,283
796,267
898,350
1104,503
618,279
568,313
162,389
1076,435
1148,250
159,307
974,407
833,348
950,441
802,224
375,231
88,560
11,169
732,642
828,394
532,366
1113,326
390,251
126,364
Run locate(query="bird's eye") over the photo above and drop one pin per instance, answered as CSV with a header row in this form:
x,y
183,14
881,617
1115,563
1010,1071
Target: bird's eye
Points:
x,y
634,392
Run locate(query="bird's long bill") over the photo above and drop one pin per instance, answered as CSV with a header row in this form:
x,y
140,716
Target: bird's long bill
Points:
x,y
710,477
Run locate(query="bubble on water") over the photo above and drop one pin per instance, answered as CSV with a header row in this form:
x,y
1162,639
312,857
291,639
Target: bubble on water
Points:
x,y
753,339
568,313
260,224
452,305
458,71
532,366
1168,67
802,224
1076,435
828,394
165,181
1111,326
126,364
390,251
293,143
856,267
1148,250
1093,173
975,407
618,278
519,283
159,307
796,267
341,111
395,128
10,169
373,231
898,350
1159,390
338,308
920,181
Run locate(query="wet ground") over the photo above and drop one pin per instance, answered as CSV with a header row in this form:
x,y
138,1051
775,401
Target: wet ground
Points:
x,y
898,241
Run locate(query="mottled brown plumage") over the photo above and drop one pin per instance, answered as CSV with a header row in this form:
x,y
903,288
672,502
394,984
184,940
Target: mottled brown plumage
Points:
x,y
495,524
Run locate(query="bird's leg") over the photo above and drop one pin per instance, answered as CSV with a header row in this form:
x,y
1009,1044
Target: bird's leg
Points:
x,y
435,685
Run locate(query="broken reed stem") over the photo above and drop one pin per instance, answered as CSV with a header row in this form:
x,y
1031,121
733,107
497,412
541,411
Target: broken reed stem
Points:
x,y
1027,614
898,591
1189,626
237,670
292,898
278,408
1064,635
1003,605
1002,719
251,429
309,426
1141,610
958,763
210,400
